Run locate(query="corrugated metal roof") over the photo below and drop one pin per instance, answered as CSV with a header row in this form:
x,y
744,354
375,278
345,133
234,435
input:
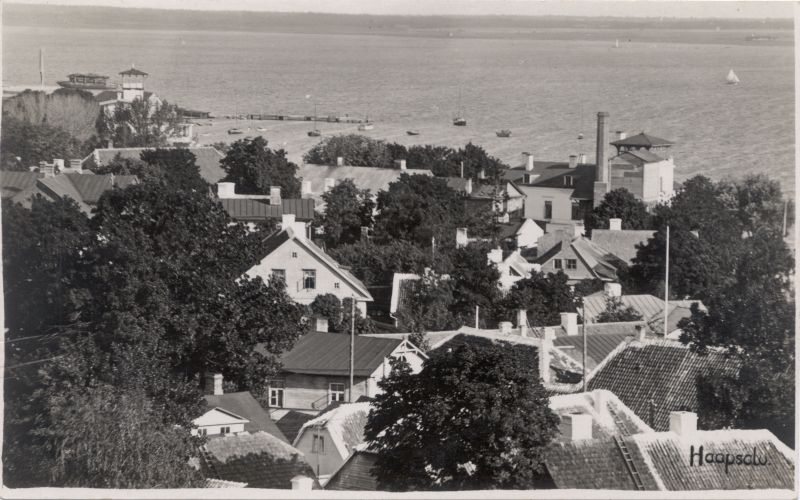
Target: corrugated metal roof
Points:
x,y
329,354
372,178
249,209
622,244
646,305
245,405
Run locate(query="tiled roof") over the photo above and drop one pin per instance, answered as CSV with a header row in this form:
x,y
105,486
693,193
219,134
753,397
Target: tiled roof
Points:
x,y
372,178
642,140
245,405
646,305
345,424
291,423
249,209
622,244
258,459
329,354
662,371
208,159
356,473
610,417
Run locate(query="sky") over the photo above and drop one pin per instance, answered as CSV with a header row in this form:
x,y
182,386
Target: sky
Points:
x,y
639,8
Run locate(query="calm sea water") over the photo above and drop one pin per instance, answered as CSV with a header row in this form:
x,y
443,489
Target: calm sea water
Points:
x,y
546,92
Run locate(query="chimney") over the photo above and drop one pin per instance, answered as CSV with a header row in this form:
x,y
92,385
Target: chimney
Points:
x,y
274,195
573,161
302,483
482,173
330,182
213,384
76,165
600,400
461,237
615,224
305,188
339,161
468,186
59,164
528,161
569,322
683,423
321,324
613,289
601,159
522,322
505,327
226,190
582,158
641,332
495,255
401,164
287,221
578,426
621,135
545,348
48,169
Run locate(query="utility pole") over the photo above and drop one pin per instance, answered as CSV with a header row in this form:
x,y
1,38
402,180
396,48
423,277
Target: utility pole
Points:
x,y
666,286
785,209
352,343
433,248
583,327
477,313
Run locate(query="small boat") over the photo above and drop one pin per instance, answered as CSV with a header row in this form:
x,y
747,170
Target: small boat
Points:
x,y
366,126
503,133
459,120
616,44
261,129
580,137
732,79
314,133
233,131
412,132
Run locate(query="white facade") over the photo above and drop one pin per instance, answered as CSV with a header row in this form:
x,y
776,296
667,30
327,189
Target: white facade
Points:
x,y
538,198
528,234
217,422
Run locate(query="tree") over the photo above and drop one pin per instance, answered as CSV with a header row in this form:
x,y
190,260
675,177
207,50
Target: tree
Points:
x,y
347,210
543,296
177,168
24,145
72,110
476,417
619,204
475,160
255,168
356,150
474,281
374,264
616,311
437,159
139,123
130,166
339,315
427,305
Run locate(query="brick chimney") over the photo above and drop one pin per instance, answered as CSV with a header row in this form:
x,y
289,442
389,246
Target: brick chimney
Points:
x,y
401,164
615,224
573,161
528,161
569,322
578,426
213,384
641,332
621,135
76,165
582,158
274,195
522,322
683,423
601,159
48,169
226,190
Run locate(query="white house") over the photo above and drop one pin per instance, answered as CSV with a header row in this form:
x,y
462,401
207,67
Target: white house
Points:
x,y
219,421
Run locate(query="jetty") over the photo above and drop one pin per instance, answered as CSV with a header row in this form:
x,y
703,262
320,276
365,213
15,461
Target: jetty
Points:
x,y
298,118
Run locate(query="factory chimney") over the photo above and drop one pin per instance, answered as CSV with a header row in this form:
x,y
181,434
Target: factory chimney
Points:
x,y
601,159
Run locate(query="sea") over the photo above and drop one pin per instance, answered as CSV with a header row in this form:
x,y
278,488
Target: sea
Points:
x,y
547,92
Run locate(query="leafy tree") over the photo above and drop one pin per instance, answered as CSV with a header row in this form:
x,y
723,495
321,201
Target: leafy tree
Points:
x,y
427,305
437,159
475,160
420,340
356,150
254,168
761,203
177,168
71,110
375,264
543,296
347,210
476,417
620,204
475,281
130,166
24,145
339,315
139,124
616,311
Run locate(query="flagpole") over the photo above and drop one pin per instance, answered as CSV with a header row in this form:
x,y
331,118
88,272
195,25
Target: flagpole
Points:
x,y
41,68
583,327
352,343
666,286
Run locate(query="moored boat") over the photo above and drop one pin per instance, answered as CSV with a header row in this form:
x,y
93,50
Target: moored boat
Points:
x,y
503,133
233,131
732,79
314,133
366,126
412,132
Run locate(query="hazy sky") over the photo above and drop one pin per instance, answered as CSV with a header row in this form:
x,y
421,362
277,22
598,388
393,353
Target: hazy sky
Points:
x,y
743,9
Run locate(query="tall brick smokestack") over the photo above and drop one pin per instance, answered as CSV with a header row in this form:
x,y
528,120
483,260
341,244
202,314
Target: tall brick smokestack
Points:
x,y
601,159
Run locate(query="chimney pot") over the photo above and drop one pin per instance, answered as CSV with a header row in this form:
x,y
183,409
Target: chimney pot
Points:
x,y
461,237
528,161
226,190
321,324
214,384
615,224
579,426
274,195
683,423
573,161
613,289
569,322
505,327
302,483
641,333
339,161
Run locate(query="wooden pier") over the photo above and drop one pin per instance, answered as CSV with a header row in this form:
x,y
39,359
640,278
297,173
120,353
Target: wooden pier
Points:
x,y
298,118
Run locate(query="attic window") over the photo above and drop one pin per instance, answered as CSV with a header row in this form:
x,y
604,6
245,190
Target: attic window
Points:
x,y
294,255
569,181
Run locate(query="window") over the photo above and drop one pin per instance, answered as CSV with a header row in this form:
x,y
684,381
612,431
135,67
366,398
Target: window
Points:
x,y
276,388
557,264
572,264
548,209
202,432
309,279
568,180
336,285
294,255
280,274
318,445
224,430
577,213
336,393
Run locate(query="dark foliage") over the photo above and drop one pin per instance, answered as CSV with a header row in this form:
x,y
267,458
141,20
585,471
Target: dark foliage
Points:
x,y
254,168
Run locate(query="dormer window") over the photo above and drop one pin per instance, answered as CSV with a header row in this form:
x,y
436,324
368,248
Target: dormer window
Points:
x,y
569,180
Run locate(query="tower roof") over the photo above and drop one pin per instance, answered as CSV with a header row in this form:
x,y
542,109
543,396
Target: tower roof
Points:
x,y
642,140
133,72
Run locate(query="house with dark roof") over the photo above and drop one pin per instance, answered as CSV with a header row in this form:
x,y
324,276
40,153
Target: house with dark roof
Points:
x,y
328,440
578,257
316,371
505,198
306,269
258,459
621,243
355,474
207,159
255,208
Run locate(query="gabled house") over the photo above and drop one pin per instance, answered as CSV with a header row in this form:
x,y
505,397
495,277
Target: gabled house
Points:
x,y
504,198
207,159
328,440
578,257
523,233
219,422
355,474
316,371
621,243
305,268
512,267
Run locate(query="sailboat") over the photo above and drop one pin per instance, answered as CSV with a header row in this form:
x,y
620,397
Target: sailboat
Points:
x,y
367,125
459,121
616,44
315,132
732,79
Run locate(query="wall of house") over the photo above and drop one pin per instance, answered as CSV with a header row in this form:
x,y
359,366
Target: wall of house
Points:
x,y
326,281
528,234
310,392
212,430
536,196
657,181
578,274
324,463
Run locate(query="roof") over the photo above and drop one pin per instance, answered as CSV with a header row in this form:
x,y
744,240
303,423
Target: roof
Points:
x,y
510,229
133,72
291,423
345,424
373,178
610,417
278,238
663,371
106,95
599,344
642,140
638,157
599,261
245,405
86,189
220,483
249,209
258,459
457,183
355,474
402,285
18,185
622,244
329,354
91,187
208,159
678,310
646,305
550,174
